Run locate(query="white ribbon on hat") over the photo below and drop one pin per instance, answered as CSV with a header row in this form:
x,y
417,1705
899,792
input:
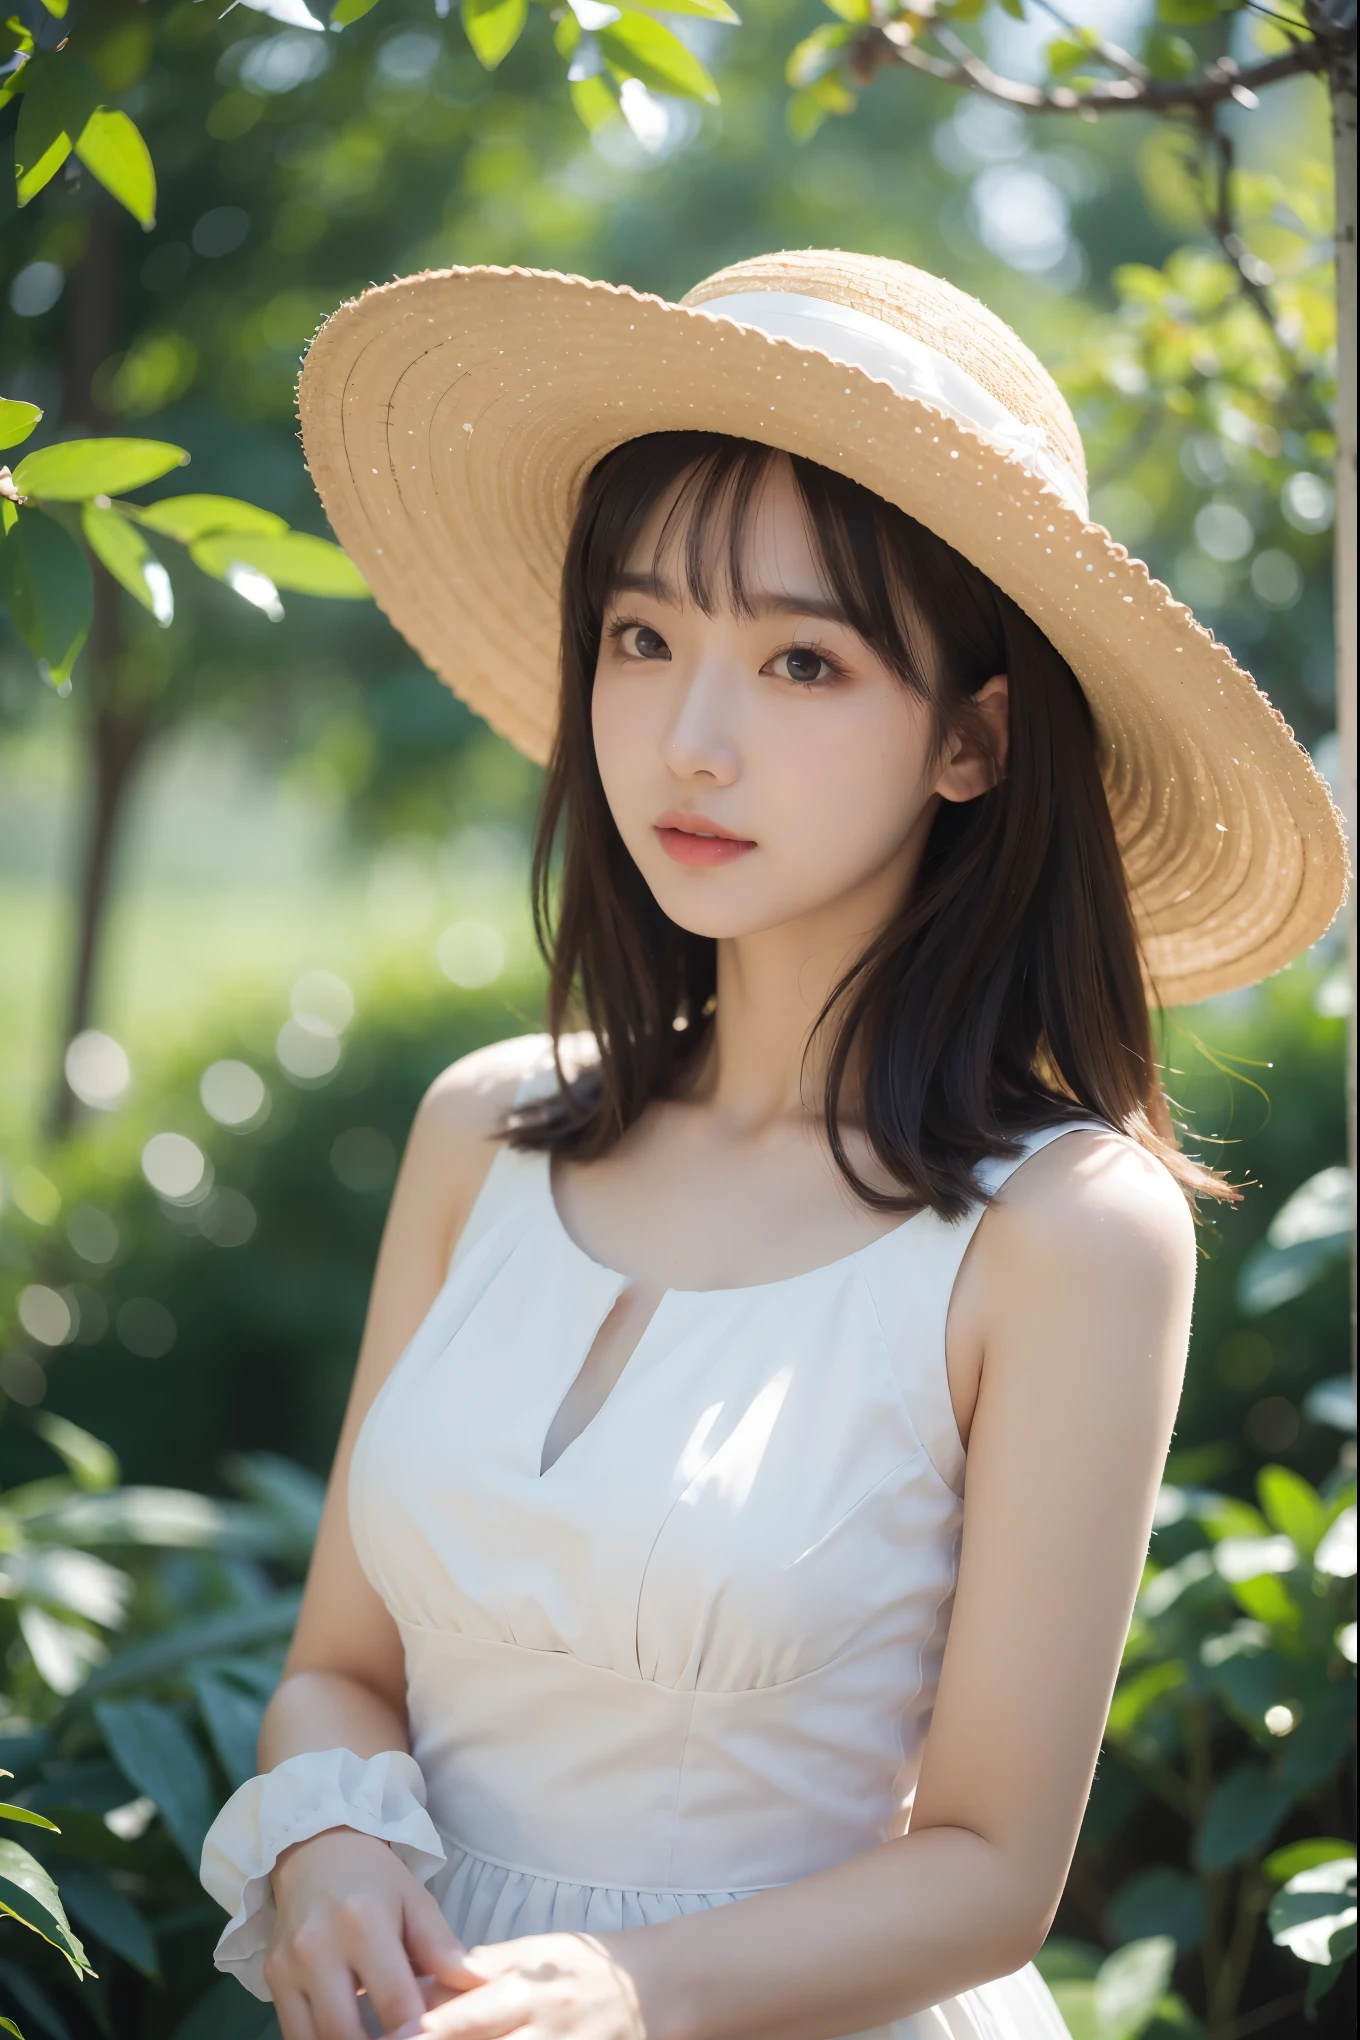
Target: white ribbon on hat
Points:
x,y
910,365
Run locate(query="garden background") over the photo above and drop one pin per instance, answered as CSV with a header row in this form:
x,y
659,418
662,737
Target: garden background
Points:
x,y
261,878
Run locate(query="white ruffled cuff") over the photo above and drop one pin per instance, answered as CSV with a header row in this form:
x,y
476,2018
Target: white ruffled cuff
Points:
x,y
383,1796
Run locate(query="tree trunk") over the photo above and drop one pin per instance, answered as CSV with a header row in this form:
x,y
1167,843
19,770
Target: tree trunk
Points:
x,y
115,738
1343,83
115,731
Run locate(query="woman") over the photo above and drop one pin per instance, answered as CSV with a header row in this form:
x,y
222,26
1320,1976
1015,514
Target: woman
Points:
x,y
621,1702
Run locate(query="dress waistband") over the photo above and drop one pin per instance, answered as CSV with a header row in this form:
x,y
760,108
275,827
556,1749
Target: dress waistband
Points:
x,y
549,1767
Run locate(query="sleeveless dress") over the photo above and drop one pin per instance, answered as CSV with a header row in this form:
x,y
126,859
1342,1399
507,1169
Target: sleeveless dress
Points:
x,y
696,1656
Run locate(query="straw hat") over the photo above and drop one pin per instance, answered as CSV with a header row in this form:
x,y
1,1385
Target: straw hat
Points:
x,y
449,420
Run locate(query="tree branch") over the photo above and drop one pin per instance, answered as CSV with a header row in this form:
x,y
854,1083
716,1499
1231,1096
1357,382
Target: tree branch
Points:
x,y
1223,80
1253,276
1109,53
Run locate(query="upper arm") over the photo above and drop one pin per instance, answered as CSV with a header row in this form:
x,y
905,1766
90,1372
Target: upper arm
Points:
x,y
1080,1288
344,1626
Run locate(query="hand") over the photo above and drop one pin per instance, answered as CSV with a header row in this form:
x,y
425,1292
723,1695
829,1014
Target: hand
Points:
x,y
351,1917
545,1987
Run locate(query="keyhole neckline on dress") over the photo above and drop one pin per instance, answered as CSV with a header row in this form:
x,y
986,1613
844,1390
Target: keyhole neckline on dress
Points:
x,y
841,1264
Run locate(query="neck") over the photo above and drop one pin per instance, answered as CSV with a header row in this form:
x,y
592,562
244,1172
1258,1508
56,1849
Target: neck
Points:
x,y
766,1063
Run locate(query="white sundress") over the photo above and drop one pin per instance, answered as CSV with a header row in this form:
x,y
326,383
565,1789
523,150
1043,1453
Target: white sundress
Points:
x,y
696,1657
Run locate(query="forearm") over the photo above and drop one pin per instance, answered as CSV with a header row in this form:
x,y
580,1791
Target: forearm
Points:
x,y
328,1711
875,1939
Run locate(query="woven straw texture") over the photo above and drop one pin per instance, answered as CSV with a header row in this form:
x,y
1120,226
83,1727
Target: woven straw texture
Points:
x,y
449,420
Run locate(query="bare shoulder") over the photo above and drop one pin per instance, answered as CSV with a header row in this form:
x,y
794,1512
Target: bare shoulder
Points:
x,y
1100,1200
468,1101
461,1118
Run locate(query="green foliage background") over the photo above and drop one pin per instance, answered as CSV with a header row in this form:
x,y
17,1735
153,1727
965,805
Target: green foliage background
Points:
x,y
145,1596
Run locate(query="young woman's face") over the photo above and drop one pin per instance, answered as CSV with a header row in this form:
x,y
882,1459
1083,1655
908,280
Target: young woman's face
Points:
x,y
762,768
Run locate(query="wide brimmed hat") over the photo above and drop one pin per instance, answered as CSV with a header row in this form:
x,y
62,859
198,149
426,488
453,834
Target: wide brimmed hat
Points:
x,y
449,420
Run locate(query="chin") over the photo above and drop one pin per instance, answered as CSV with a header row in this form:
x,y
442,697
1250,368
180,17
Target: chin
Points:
x,y
718,912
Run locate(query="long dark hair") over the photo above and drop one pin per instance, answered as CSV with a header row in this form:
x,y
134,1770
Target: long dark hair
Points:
x,y
1006,991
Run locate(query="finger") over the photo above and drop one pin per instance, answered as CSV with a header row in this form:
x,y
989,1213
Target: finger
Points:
x,y
434,1948
499,2008
334,2006
387,1976
293,2015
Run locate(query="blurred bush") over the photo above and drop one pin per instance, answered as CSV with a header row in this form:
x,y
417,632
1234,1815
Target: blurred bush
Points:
x,y
120,1759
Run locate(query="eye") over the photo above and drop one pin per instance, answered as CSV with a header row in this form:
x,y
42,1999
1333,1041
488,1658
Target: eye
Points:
x,y
640,641
804,666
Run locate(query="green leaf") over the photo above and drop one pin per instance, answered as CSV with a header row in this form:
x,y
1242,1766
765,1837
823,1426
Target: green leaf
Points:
x,y
346,11
1158,1901
1266,1599
493,27
28,1895
714,10
112,149
157,1755
172,1519
290,1494
91,1894
1129,1984
27,1815
292,559
189,517
232,1717
1292,1506
12,85
1169,56
856,11
639,47
1015,8
128,557
59,97
45,581
90,1463
1318,1745
1244,1812
17,420
79,468
1320,1981
163,1656
1287,1862
1063,1961
1067,52
1185,13
227,2012
807,109
817,54
28,1996
596,100
1314,1908
57,8
8,2026
1138,1694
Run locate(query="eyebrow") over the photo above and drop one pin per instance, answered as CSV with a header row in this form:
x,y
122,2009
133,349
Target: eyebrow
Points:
x,y
758,602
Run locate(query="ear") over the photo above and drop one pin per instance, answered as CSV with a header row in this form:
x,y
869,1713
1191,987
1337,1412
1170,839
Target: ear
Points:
x,y
975,756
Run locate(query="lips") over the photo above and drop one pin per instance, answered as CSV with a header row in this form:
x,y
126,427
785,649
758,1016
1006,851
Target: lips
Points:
x,y
696,841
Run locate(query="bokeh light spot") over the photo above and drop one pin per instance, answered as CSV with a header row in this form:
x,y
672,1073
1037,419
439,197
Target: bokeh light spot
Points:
x,y
471,954
308,1049
233,1093
145,1327
364,1158
22,1379
46,1315
321,995
175,1167
227,1218
97,1069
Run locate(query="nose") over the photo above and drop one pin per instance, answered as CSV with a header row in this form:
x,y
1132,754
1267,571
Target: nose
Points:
x,y
701,743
